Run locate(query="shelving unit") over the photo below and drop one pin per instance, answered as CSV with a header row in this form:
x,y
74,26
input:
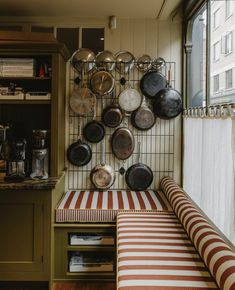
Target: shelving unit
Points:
x,y
88,257
26,209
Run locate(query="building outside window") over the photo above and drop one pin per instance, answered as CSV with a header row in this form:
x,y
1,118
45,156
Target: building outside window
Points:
x,y
216,51
229,79
216,19
228,42
228,8
216,83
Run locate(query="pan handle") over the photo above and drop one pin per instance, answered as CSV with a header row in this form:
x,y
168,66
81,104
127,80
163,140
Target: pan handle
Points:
x,y
138,152
102,154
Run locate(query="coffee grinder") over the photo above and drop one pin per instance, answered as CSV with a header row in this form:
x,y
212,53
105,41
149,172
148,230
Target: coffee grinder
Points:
x,y
39,154
15,155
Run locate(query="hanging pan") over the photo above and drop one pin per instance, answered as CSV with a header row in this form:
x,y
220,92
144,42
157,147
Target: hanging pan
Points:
x,y
112,116
139,176
105,59
167,103
102,176
83,60
122,143
143,118
124,62
129,99
153,81
94,130
79,153
102,83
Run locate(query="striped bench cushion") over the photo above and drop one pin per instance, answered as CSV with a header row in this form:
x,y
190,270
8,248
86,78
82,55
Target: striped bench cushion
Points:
x,y
154,252
217,255
95,206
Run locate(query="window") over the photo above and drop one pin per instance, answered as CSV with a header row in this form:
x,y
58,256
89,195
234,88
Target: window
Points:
x,y
216,83
228,8
216,19
229,79
228,43
213,51
216,51
197,60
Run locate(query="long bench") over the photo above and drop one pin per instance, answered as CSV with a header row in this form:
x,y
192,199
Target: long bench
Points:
x,y
179,250
163,240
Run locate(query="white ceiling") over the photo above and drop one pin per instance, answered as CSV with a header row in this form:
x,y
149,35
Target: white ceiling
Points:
x,y
89,8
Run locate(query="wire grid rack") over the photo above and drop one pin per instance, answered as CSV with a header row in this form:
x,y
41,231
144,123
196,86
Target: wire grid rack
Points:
x,y
156,144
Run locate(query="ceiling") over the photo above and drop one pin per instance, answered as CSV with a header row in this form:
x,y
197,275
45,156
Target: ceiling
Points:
x,y
89,8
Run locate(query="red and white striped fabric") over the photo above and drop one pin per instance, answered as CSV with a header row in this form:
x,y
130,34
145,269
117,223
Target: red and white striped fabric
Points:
x,y
154,252
217,255
95,206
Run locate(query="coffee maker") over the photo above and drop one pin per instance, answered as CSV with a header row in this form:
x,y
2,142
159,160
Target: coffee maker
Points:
x,y
39,154
15,155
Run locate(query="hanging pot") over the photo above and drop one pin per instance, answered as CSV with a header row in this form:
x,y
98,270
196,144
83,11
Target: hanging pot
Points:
x,y
143,118
143,63
139,176
83,60
153,81
124,62
102,83
105,59
122,143
79,153
167,103
102,176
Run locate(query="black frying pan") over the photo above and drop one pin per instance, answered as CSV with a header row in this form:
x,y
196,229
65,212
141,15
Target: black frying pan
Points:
x,y
112,116
167,103
79,153
153,81
139,176
94,131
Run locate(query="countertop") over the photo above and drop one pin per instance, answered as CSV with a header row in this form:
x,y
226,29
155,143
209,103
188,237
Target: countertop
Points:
x,y
28,183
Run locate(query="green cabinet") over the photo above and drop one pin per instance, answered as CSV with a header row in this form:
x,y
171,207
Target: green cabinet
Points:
x,y
25,240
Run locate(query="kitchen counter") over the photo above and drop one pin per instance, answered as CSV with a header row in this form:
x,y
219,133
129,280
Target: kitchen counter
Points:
x,y
28,183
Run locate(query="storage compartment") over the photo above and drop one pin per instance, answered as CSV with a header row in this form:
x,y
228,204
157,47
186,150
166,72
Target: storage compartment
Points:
x,y
91,239
85,251
92,261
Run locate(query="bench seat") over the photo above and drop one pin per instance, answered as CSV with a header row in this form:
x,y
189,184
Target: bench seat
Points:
x,y
155,252
103,206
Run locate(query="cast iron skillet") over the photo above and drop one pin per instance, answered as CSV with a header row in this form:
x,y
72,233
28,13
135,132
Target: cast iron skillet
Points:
x,y
122,143
153,81
167,103
79,153
139,176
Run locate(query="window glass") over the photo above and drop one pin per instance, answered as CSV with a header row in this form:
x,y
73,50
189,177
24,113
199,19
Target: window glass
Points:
x,y
93,38
197,60
222,60
69,36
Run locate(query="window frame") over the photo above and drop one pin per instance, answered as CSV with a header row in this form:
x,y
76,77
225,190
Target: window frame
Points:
x,y
190,14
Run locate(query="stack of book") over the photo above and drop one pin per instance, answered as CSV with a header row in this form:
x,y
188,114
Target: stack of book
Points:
x,y
17,67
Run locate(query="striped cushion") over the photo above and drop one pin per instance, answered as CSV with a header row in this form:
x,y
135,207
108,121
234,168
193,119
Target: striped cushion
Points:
x,y
154,252
218,256
95,206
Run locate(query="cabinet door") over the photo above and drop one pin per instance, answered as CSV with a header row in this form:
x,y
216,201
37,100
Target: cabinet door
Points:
x,y
22,241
